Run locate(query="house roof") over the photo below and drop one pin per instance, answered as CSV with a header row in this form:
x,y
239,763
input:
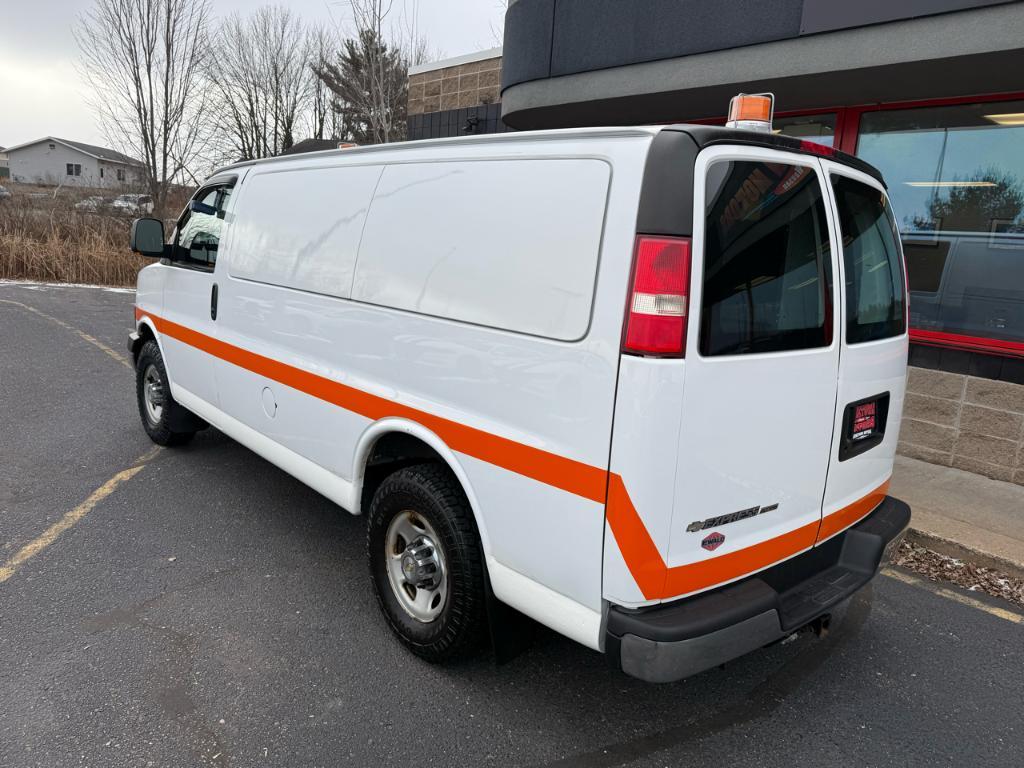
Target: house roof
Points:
x,y
311,145
100,153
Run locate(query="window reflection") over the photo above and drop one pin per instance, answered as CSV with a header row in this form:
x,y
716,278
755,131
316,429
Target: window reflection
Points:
x,y
821,129
956,183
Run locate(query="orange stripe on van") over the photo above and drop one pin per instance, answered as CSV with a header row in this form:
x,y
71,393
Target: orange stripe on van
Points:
x,y
638,549
546,467
851,514
655,579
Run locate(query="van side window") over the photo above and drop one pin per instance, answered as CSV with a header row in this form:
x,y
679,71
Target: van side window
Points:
x,y
767,260
199,232
874,279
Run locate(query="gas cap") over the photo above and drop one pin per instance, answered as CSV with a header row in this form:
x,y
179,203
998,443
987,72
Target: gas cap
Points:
x,y
269,403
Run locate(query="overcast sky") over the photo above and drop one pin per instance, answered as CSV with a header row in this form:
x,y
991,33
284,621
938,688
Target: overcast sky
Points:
x,y
42,95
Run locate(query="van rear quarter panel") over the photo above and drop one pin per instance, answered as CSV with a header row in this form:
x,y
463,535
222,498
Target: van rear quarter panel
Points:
x,y
552,394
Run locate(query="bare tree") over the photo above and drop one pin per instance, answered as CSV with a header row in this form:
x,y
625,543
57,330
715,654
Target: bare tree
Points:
x,y
261,79
321,47
498,30
143,62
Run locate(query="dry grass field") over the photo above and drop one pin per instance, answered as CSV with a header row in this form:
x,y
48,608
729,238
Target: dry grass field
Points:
x,y
44,237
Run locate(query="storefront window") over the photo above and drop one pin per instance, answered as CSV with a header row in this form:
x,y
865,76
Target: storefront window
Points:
x,y
956,182
820,129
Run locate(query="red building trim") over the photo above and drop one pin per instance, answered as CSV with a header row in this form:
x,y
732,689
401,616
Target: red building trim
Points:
x,y
985,346
850,116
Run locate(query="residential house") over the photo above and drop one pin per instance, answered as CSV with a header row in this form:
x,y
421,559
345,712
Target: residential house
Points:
x,y
5,171
311,145
72,163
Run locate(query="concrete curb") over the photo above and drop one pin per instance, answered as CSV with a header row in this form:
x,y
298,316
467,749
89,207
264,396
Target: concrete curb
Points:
x,y
960,552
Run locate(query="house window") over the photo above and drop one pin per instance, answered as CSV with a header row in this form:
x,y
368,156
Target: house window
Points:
x,y
120,174
74,169
53,146
101,173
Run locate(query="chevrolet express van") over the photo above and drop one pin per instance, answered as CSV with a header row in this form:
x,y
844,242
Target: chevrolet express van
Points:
x,y
642,385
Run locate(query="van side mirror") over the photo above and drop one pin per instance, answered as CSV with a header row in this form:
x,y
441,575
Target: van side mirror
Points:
x,y
147,237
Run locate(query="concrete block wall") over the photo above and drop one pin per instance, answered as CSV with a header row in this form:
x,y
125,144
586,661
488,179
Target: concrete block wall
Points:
x,y
455,87
963,421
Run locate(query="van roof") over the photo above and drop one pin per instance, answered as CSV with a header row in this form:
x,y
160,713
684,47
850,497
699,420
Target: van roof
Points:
x,y
488,138
703,135
707,135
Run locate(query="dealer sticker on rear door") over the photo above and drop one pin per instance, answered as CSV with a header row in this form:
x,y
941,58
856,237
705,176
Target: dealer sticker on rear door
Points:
x,y
864,420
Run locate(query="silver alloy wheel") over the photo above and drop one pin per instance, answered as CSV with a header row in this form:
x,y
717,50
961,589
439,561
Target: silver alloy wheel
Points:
x,y
416,566
153,393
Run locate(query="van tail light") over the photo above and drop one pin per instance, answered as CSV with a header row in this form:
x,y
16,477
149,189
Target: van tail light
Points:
x,y
656,315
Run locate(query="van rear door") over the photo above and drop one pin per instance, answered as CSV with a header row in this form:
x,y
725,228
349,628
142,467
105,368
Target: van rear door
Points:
x,y
761,367
874,345
738,451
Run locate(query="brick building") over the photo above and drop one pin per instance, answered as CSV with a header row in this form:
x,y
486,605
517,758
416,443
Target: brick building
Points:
x,y
456,97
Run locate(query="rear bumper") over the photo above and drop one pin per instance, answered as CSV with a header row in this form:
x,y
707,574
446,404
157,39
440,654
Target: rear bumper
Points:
x,y
672,641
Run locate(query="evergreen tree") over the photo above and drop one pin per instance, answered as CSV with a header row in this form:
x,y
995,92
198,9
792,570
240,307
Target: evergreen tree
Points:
x,y
370,83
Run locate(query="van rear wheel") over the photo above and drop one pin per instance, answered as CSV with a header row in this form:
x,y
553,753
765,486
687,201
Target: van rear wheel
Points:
x,y
157,408
425,562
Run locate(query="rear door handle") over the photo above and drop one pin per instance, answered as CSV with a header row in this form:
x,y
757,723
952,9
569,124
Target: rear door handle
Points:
x,y
213,302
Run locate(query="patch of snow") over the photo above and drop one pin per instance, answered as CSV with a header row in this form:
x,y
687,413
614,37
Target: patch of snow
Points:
x,y
35,286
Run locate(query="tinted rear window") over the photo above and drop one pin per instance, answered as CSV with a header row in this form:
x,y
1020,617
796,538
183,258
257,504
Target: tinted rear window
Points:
x,y
874,278
767,261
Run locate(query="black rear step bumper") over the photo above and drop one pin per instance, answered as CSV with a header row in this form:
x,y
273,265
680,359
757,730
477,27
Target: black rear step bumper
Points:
x,y
675,640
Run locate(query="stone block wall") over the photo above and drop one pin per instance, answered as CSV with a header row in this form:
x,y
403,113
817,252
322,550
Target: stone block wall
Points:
x,y
971,423
460,86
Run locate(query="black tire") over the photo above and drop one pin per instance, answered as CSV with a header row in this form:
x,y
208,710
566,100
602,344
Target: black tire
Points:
x,y
159,430
432,493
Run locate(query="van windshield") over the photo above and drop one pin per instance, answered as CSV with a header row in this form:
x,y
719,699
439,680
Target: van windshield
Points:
x,y
875,294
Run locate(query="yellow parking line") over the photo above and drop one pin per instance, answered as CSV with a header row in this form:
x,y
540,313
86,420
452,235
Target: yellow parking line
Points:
x,y
81,334
949,594
50,535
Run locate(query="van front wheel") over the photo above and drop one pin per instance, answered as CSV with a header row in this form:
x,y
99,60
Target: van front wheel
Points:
x,y
425,562
156,406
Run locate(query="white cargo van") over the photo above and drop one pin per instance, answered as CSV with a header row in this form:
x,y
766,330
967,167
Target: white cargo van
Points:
x,y
641,384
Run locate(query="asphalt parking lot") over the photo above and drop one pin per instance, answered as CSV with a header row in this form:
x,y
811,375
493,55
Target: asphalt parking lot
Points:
x,y
197,606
